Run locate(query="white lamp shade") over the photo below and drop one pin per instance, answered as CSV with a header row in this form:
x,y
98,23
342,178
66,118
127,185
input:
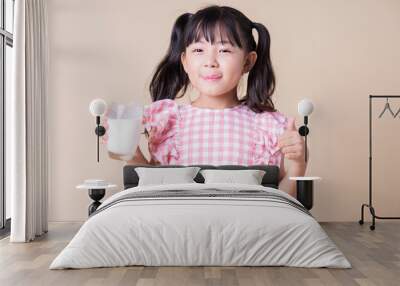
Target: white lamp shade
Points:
x,y
97,107
305,107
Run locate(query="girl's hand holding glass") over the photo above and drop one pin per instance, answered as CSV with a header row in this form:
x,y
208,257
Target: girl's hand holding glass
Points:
x,y
123,125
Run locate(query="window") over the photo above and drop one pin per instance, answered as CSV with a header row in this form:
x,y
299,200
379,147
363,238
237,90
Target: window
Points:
x,y
6,62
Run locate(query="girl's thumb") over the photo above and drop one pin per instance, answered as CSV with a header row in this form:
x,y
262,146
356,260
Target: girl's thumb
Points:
x,y
291,124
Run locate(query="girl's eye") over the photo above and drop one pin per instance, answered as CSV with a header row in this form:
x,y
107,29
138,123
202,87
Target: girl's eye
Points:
x,y
200,50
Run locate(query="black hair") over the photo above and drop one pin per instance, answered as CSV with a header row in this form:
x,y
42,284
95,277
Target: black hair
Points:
x,y
170,78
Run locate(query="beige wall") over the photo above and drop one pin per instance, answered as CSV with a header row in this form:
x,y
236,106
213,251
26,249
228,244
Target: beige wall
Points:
x,y
333,52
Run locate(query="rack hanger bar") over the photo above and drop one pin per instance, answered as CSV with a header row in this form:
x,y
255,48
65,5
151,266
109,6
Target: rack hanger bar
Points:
x,y
384,96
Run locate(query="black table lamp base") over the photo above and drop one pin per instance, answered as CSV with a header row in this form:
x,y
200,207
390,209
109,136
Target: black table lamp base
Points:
x,y
96,195
305,193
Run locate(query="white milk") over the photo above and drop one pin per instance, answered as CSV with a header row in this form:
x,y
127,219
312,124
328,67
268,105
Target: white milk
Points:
x,y
124,135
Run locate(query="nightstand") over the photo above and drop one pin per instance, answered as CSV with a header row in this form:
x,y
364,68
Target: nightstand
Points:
x,y
304,190
96,190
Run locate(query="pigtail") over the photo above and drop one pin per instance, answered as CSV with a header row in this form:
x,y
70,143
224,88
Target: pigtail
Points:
x,y
170,77
261,79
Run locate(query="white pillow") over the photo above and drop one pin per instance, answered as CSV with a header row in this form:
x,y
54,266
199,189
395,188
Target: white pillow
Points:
x,y
162,176
249,177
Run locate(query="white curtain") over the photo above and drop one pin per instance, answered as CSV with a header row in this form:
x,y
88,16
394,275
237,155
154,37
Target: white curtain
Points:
x,y
26,121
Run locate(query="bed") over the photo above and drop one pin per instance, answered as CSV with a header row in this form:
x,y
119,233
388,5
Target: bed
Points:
x,y
199,224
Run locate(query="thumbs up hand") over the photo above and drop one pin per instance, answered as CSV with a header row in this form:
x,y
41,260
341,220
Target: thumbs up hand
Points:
x,y
291,144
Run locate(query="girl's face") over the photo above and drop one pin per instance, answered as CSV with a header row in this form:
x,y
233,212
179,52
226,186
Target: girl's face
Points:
x,y
215,69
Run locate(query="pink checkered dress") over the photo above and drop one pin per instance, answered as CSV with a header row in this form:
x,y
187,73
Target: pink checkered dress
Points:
x,y
189,135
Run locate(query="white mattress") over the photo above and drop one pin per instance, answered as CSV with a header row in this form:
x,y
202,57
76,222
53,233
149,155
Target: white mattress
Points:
x,y
183,231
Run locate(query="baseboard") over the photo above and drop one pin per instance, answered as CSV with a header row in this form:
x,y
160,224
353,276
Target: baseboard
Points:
x,y
66,221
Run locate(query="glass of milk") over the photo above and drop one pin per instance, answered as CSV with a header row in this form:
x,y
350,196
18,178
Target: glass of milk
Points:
x,y
124,128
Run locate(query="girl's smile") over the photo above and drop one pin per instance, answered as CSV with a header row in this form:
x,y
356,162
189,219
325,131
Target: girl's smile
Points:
x,y
212,78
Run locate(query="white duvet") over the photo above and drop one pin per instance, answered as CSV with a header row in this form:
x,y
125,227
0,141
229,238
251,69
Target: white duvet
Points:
x,y
183,231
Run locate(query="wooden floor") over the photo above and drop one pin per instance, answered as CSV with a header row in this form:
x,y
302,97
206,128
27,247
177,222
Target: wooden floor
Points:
x,y
374,255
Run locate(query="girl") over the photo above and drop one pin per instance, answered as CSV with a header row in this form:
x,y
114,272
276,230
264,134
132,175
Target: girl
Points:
x,y
211,50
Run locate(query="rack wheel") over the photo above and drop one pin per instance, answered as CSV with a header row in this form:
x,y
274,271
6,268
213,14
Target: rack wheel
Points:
x,y
372,227
361,222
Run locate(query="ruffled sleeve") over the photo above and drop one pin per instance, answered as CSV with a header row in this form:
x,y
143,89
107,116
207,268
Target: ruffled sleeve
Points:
x,y
160,119
269,126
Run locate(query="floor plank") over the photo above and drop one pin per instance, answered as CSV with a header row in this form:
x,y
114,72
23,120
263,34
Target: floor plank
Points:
x,y
374,255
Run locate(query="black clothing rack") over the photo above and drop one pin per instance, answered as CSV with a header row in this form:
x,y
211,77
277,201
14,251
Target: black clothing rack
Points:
x,y
369,205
